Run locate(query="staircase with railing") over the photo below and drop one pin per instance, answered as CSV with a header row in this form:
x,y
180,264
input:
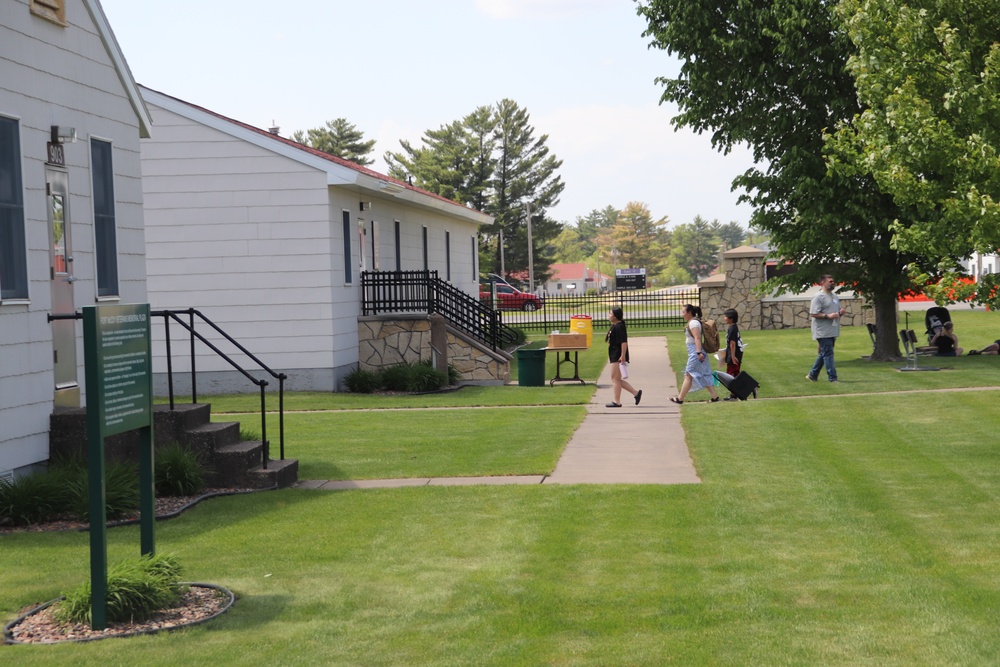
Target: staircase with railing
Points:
x,y
232,462
390,292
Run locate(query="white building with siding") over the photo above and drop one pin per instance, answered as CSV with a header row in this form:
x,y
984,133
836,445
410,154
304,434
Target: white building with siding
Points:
x,y
268,238
71,223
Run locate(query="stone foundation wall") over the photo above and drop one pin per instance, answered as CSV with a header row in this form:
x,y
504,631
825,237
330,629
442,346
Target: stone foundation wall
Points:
x,y
743,271
387,340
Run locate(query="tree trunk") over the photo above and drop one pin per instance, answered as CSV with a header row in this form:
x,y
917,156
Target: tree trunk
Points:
x,y
886,334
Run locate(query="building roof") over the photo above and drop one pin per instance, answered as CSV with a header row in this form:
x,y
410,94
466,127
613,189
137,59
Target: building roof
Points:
x,y
339,171
121,65
575,271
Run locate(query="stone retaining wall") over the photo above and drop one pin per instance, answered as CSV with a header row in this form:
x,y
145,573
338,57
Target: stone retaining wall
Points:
x,y
743,271
392,339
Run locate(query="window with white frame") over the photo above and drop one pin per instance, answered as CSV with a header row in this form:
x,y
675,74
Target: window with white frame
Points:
x,y
348,270
399,246
427,264
447,256
475,259
13,252
105,234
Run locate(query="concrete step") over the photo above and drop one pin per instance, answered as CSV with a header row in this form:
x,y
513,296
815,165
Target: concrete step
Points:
x,y
281,474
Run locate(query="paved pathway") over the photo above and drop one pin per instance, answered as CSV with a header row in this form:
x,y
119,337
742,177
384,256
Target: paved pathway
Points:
x,y
633,444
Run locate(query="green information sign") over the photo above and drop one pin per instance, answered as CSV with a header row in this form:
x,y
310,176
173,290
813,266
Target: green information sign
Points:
x,y
123,371
118,369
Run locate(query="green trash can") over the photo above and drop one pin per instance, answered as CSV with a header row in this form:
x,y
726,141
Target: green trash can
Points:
x,y
531,368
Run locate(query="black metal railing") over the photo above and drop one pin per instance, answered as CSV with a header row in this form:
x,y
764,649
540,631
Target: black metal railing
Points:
x,y
644,309
193,335
388,292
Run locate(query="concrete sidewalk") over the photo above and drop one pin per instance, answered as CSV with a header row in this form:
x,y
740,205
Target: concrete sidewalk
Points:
x,y
633,444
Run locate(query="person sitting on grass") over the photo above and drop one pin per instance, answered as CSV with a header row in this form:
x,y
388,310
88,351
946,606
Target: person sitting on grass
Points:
x,y
992,348
946,341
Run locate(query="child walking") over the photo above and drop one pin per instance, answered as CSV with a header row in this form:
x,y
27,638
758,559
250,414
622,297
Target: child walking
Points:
x,y
734,346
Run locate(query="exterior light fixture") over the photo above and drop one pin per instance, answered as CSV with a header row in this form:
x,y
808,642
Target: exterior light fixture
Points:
x,y
63,135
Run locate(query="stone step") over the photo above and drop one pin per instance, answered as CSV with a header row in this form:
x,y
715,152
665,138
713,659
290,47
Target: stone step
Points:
x,y
281,474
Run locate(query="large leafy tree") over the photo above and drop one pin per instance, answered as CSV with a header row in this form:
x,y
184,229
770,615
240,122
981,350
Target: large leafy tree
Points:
x,y
340,138
578,242
772,74
492,160
928,73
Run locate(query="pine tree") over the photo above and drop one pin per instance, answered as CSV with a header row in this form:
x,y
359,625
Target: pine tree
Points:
x,y
340,138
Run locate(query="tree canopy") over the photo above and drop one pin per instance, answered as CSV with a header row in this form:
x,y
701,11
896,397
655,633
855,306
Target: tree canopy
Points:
x,y
340,138
773,75
928,73
636,240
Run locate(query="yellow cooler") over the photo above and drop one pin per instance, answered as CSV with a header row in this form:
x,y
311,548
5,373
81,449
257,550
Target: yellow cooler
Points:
x,y
582,324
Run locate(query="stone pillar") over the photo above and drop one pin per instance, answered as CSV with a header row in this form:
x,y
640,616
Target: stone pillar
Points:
x,y
743,269
439,342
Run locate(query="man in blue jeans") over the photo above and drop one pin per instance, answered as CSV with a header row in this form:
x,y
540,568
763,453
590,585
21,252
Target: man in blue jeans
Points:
x,y
824,314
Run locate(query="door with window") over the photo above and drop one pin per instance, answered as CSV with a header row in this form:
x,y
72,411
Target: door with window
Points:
x,y
67,389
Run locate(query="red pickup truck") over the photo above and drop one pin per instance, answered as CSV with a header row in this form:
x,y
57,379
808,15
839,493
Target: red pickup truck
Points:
x,y
511,298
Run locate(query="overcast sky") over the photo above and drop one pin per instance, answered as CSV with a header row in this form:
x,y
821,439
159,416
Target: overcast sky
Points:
x,y
396,68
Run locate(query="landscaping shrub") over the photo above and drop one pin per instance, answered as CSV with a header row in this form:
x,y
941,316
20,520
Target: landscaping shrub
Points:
x,y
363,382
121,492
396,377
520,338
424,377
30,499
421,376
137,589
454,377
179,472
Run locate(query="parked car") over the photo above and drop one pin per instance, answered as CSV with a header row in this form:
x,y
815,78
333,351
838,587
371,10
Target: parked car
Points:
x,y
511,298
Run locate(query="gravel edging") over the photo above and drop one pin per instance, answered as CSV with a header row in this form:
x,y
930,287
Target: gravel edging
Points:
x,y
197,607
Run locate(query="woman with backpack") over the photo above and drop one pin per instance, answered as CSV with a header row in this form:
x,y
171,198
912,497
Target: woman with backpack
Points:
x,y
698,372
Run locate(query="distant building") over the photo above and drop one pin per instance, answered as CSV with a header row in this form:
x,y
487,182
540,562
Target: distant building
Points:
x,y
981,265
575,279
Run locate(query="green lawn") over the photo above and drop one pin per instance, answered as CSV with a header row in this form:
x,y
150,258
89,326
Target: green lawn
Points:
x,y
857,529
780,360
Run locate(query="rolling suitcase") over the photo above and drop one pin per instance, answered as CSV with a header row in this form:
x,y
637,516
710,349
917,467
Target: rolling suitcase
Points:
x,y
742,386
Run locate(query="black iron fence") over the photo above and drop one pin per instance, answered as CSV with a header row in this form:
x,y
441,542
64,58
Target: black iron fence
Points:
x,y
643,309
388,292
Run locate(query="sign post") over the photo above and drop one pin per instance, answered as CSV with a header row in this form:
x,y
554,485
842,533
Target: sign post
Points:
x,y
119,387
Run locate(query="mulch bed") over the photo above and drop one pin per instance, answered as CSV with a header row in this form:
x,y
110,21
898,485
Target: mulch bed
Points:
x,y
166,508
199,603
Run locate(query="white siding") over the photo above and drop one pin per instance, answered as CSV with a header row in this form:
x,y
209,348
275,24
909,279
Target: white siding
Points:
x,y
242,235
50,75
249,231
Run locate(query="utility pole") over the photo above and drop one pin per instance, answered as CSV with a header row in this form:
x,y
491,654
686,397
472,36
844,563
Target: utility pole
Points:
x,y
503,271
531,254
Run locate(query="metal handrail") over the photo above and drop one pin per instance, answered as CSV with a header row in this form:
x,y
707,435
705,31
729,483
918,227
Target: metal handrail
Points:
x,y
168,315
